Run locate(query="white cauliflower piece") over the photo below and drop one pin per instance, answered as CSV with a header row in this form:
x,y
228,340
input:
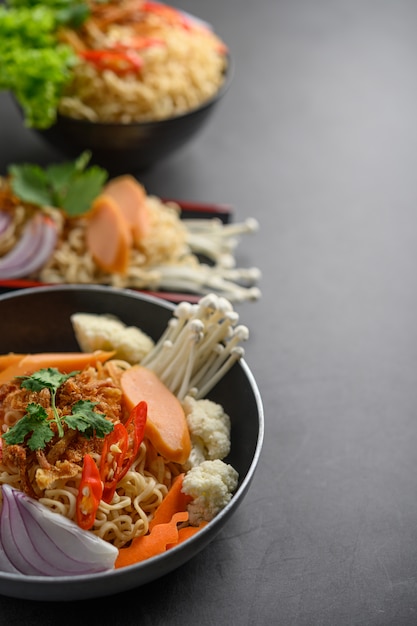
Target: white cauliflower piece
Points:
x,y
105,332
196,455
209,428
211,485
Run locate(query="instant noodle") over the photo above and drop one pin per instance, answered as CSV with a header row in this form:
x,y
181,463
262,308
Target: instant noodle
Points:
x,y
141,61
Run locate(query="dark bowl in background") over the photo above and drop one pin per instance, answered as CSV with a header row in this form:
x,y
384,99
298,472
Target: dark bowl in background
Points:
x,y
38,320
122,148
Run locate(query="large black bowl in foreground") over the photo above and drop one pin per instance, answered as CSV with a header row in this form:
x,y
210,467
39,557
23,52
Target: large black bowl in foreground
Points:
x,y
38,320
135,146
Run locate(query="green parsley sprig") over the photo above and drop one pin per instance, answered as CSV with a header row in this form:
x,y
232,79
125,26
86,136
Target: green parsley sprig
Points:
x,y
71,186
38,425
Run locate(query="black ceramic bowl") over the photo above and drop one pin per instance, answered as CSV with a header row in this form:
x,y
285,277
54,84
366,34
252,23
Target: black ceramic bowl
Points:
x,y
122,148
38,319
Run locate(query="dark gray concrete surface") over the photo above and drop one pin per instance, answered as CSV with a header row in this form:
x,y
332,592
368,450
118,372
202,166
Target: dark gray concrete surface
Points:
x,y
316,139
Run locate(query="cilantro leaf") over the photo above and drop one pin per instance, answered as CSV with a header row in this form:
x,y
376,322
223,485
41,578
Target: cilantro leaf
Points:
x,y
49,378
30,184
40,437
83,191
70,186
35,421
84,419
59,176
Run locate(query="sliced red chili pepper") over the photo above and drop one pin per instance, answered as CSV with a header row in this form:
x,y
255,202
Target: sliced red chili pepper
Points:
x,y
119,61
112,456
89,494
135,427
120,449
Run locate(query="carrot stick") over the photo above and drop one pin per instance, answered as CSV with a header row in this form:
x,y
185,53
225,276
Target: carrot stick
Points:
x,y
65,362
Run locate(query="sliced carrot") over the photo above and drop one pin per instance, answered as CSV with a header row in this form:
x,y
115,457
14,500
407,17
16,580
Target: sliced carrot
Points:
x,y
186,532
174,501
164,533
9,359
166,426
130,196
65,362
108,236
156,542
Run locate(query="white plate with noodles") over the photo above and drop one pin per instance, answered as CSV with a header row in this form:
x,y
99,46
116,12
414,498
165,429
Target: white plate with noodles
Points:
x,y
44,320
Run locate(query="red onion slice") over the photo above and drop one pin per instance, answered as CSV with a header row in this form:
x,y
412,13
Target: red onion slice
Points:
x,y
6,565
5,220
33,249
16,543
37,541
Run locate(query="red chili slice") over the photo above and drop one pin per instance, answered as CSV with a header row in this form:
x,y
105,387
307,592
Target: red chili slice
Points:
x,y
121,62
89,494
135,428
120,449
113,454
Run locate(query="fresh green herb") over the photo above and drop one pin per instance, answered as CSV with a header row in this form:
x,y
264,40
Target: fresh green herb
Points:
x,y
69,12
84,419
34,66
48,378
70,186
37,423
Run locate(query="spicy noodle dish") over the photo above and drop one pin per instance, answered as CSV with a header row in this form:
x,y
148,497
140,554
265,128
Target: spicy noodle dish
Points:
x,y
114,454
68,224
107,61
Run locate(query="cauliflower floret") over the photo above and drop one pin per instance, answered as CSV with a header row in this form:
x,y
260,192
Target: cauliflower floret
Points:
x,y
105,332
209,428
211,485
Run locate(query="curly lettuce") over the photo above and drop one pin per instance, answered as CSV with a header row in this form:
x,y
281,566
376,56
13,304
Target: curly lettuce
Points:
x,y
34,66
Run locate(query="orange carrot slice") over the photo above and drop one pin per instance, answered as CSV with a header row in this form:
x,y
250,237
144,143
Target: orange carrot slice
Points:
x,y
166,426
130,196
65,362
150,545
9,359
164,533
174,501
187,532
108,236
